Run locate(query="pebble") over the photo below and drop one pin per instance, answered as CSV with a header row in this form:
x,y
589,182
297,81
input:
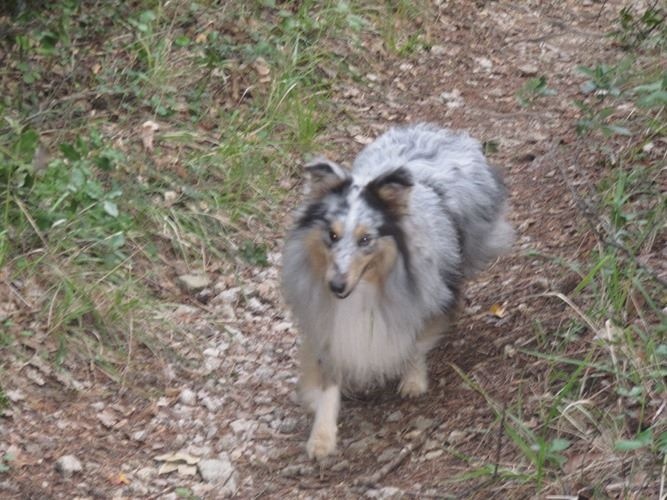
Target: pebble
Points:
x,y
528,70
217,470
433,454
386,493
388,454
484,63
211,364
68,465
341,466
229,296
297,470
211,404
241,425
395,416
187,397
15,395
452,99
455,437
438,50
422,423
288,425
194,282
145,473
139,435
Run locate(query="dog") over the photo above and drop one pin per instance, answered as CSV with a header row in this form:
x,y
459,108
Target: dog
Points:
x,y
374,265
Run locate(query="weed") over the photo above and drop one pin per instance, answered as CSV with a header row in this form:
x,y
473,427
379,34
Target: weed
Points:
x,y
532,90
5,462
254,254
87,217
642,28
601,391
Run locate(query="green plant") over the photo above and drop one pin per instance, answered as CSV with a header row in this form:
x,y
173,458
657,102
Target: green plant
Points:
x,y
637,28
89,215
532,90
5,462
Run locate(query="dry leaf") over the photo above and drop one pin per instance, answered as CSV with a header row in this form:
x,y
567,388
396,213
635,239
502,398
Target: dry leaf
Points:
x,y
120,479
107,419
166,468
148,129
497,310
187,470
363,139
262,67
178,457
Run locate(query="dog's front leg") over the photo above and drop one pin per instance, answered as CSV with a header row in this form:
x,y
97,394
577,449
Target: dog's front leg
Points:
x,y
322,440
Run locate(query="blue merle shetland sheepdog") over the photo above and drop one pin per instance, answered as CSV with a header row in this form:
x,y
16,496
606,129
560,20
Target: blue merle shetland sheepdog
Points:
x,y
374,265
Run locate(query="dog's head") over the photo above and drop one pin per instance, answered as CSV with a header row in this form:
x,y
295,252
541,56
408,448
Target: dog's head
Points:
x,y
352,227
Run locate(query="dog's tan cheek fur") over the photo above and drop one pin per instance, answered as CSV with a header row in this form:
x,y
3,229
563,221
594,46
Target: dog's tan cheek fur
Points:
x,y
383,259
317,252
358,266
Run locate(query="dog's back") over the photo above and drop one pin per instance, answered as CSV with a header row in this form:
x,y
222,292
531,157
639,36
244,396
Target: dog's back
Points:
x,y
452,165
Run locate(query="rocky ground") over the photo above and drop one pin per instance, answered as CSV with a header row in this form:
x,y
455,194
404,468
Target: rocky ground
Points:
x,y
226,422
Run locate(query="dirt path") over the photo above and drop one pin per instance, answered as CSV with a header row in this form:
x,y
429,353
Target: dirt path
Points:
x,y
236,403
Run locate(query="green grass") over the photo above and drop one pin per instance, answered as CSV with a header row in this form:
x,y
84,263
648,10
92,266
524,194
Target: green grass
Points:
x,y
590,416
88,216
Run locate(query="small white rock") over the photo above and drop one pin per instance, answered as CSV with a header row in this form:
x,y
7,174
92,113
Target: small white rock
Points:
x,y
395,416
433,454
241,425
438,50
145,473
452,99
211,364
194,282
455,437
386,493
288,425
484,63
388,454
211,404
422,423
220,471
187,397
139,435
229,296
528,70
68,465
15,395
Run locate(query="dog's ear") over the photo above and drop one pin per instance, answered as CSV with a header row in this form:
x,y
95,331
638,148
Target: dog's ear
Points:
x,y
393,190
323,176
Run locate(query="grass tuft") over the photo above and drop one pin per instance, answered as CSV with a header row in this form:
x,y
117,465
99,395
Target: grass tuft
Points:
x,y
138,139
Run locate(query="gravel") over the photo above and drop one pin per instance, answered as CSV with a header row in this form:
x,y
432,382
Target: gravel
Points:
x,y
68,465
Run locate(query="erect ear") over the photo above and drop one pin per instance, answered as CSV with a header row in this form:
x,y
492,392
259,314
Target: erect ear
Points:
x,y
393,190
323,176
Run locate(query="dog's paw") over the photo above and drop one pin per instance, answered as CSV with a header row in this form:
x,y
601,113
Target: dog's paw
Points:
x,y
322,443
413,384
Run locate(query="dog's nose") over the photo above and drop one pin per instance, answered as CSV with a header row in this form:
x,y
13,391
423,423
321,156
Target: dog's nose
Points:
x,y
337,285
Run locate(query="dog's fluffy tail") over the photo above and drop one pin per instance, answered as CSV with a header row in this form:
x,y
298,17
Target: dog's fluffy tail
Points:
x,y
496,242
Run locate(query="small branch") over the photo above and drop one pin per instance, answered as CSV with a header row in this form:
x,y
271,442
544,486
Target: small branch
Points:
x,y
501,431
375,478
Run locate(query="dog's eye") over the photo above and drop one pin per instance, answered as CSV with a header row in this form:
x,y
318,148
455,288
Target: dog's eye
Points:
x,y
333,236
364,241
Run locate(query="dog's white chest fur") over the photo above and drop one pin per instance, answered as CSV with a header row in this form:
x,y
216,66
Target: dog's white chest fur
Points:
x,y
363,346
